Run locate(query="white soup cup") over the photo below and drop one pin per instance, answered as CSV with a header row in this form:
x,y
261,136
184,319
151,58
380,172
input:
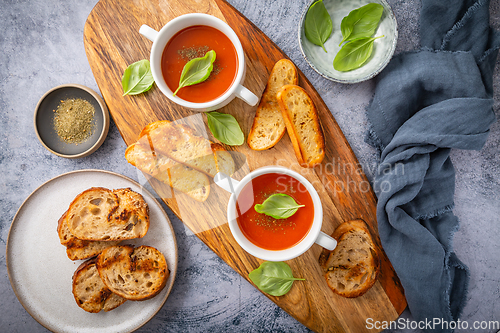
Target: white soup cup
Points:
x,y
162,37
315,235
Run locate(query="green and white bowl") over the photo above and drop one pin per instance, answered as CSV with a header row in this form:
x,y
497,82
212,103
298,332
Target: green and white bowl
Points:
x,y
383,48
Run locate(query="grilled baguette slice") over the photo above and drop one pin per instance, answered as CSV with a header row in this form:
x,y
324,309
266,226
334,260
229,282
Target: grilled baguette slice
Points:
x,y
224,160
182,144
302,124
90,293
99,214
77,249
351,269
134,274
178,176
268,125
131,219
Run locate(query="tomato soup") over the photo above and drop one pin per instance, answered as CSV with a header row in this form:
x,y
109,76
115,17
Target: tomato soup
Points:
x,y
265,231
194,42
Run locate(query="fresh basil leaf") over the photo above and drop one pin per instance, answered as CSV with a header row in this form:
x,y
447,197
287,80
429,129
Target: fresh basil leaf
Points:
x,y
361,22
197,70
279,206
273,277
354,54
225,128
137,78
318,25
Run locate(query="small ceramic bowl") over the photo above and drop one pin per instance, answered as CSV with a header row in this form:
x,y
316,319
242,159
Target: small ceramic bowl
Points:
x,y
44,121
383,48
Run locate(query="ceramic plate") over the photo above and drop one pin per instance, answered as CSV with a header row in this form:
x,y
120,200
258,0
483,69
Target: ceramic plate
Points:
x,y
41,274
383,48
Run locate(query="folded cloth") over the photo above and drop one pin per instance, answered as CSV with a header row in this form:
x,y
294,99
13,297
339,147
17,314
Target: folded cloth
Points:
x,y
425,103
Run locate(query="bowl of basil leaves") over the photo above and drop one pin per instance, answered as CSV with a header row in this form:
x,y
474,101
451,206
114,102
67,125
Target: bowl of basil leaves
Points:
x,y
348,41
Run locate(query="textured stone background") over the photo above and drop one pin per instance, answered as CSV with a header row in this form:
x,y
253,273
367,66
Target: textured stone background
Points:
x,y
41,46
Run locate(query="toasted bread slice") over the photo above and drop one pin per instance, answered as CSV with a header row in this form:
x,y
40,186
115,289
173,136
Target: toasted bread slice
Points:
x,y
134,274
112,302
182,144
90,293
268,125
99,214
224,160
351,269
77,249
90,208
302,124
131,219
180,177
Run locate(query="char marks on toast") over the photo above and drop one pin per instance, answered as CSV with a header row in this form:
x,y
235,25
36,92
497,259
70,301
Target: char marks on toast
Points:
x,y
77,249
352,268
99,214
90,293
133,273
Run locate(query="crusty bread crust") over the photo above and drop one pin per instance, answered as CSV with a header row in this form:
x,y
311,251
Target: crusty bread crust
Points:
x,y
77,249
90,293
352,268
268,125
134,274
302,124
99,214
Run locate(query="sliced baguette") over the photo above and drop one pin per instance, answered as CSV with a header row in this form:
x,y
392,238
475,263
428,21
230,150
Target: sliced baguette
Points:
x,y
268,125
131,219
99,214
224,160
178,176
90,293
351,269
77,249
182,144
134,274
302,124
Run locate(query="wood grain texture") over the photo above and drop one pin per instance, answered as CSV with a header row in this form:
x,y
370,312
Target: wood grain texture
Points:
x,y
112,42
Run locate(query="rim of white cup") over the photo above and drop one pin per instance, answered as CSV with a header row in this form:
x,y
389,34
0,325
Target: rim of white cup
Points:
x,y
176,25
276,255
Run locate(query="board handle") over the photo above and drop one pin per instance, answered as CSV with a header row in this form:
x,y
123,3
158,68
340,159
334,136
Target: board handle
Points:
x,y
148,32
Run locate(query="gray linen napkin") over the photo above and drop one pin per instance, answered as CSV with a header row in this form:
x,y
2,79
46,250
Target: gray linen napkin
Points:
x,y
427,102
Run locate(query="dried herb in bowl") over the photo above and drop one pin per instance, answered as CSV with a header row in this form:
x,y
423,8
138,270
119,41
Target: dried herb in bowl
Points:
x,y
74,120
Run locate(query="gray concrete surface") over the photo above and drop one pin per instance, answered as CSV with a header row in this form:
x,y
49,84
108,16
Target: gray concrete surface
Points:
x,y
41,46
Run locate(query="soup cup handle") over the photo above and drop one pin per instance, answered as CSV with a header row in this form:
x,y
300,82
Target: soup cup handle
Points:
x,y
226,182
246,95
148,32
326,241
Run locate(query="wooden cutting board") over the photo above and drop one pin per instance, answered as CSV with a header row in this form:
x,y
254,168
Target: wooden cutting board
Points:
x,y
112,42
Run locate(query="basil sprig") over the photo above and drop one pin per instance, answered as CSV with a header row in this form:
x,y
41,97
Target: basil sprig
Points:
x,y
273,277
278,206
361,22
354,54
225,128
137,78
318,25
197,70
